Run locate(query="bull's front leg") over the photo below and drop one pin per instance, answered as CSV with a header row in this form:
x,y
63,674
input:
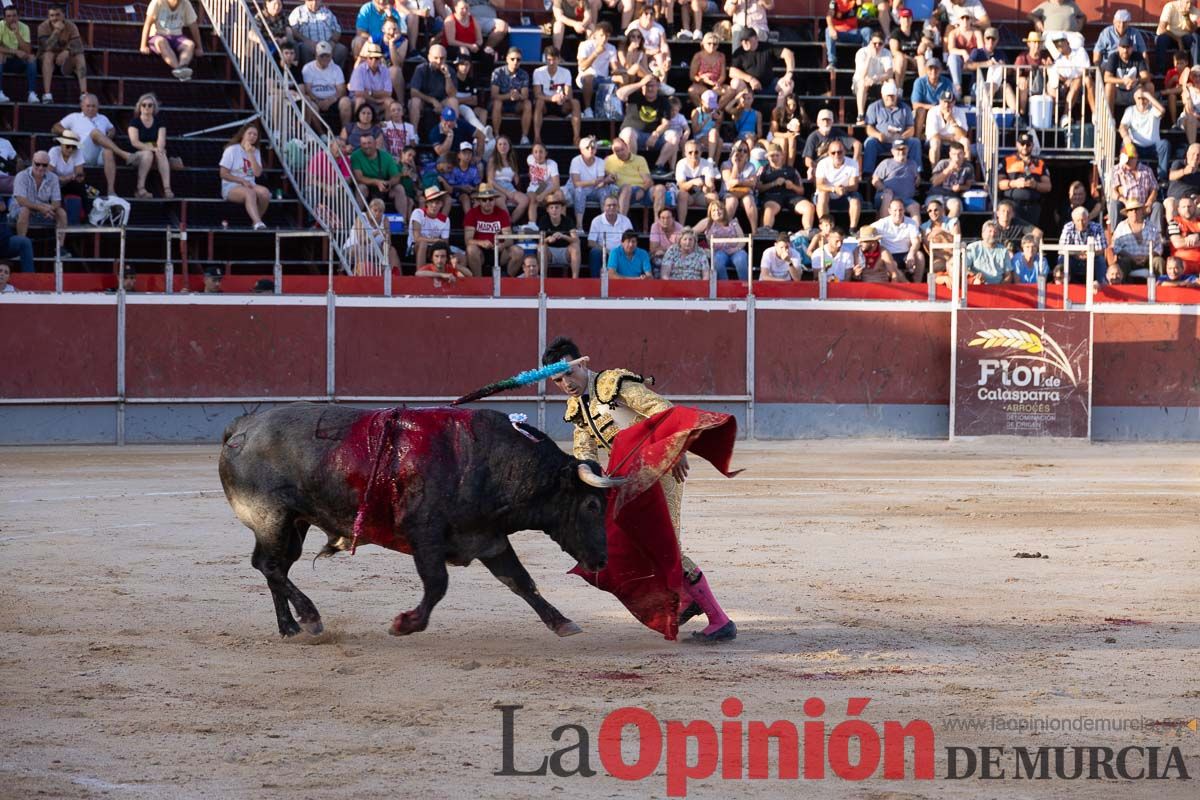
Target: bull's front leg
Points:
x,y
509,570
431,567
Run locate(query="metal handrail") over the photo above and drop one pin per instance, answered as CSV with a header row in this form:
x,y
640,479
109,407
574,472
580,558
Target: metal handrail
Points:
x,y
334,203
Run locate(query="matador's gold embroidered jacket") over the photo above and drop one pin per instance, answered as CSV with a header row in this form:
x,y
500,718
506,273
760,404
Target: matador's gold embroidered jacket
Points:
x,y
615,399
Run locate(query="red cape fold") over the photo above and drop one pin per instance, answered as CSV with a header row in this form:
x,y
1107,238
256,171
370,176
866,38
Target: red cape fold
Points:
x,y
644,570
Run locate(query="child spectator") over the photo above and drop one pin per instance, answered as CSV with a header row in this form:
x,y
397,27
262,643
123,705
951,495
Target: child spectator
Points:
x,y
463,177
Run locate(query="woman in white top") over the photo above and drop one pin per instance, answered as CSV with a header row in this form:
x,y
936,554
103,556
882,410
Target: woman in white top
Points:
x,y
502,175
739,179
543,179
167,19
241,165
67,163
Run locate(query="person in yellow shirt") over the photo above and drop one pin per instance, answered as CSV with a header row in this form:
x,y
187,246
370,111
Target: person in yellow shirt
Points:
x,y
16,52
633,181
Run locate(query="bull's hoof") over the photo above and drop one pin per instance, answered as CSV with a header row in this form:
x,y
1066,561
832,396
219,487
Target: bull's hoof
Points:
x,y
406,623
313,627
567,628
288,628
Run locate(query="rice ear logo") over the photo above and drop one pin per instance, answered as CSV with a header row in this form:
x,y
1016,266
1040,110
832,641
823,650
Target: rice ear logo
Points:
x,y
1040,346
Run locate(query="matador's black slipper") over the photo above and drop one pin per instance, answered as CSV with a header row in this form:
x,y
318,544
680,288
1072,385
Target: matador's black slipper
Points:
x,y
691,611
726,633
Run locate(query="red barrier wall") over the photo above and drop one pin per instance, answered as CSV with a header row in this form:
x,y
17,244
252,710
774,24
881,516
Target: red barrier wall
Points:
x,y
418,351
58,351
689,353
225,351
1146,360
849,357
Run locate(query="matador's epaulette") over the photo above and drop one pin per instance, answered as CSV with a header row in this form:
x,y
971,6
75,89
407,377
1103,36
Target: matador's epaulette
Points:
x,y
608,383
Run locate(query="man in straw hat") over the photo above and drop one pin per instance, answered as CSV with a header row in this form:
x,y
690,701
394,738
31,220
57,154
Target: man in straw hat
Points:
x,y
429,224
1136,244
599,406
481,225
1031,77
370,82
877,265
66,161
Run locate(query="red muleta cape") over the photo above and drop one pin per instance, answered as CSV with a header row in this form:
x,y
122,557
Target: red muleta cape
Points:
x,y
644,569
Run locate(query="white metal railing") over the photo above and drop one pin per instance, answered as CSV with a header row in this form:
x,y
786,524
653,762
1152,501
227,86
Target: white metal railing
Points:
x,y
61,235
334,202
1044,121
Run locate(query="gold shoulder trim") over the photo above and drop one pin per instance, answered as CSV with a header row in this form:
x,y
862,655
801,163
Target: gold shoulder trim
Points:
x,y
573,411
608,383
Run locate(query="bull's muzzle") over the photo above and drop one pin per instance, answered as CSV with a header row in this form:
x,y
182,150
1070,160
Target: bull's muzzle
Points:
x,y
598,481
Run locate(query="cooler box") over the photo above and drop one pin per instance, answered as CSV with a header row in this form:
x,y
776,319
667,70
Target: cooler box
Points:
x,y
528,41
975,200
395,223
1041,112
1005,119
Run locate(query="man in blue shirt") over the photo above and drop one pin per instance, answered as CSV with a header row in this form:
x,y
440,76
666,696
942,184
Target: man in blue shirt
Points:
x,y
889,120
927,89
1106,44
369,24
629,260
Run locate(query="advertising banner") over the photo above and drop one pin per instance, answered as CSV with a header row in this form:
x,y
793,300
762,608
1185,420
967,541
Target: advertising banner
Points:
x,y
1021,373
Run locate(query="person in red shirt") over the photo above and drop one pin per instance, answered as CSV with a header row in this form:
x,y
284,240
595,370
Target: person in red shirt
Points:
x,y
481,225
442,265
841,25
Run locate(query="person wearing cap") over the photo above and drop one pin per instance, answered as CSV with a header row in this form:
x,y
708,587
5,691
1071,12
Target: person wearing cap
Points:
x,y
17,52
1025,180
560,239
481,225
451,132
66,161
1176,31
1080,231
369,23
429,224
987,260
927,89
212,280
705,124
987,64
909,46
817,143
552,92
325,87
370,82
1110,38
877,265
1136,244
889,119
1130,179
897,177
950,177
944,124
510,92
377,172
313,24
837,179
469,92
430,90
261,286
900,237
462,176
752,68
872,67
162,33
1140,126
1124,72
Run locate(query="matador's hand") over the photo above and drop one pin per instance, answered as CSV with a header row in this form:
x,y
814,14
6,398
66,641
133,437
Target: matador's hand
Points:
x,y
680,471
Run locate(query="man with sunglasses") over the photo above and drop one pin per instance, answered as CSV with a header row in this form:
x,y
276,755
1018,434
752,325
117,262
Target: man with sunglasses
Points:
x,y
510,94
819,140
481,225
588,179
37,198
696,178
1025,180
837,180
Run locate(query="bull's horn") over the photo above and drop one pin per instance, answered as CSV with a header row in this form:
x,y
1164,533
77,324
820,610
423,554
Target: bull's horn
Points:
x,y
598,481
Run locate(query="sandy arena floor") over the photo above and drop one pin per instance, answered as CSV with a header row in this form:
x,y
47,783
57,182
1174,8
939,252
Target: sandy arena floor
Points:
x,y
140,657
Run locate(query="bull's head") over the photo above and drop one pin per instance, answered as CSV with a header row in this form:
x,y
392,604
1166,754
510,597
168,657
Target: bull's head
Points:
x,y
583,490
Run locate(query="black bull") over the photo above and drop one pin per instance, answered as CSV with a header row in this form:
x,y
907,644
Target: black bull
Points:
x,y
446,485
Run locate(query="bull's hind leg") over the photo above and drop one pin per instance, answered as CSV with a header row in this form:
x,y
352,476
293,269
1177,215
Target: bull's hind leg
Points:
x,y
509,570
431,567
275,551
